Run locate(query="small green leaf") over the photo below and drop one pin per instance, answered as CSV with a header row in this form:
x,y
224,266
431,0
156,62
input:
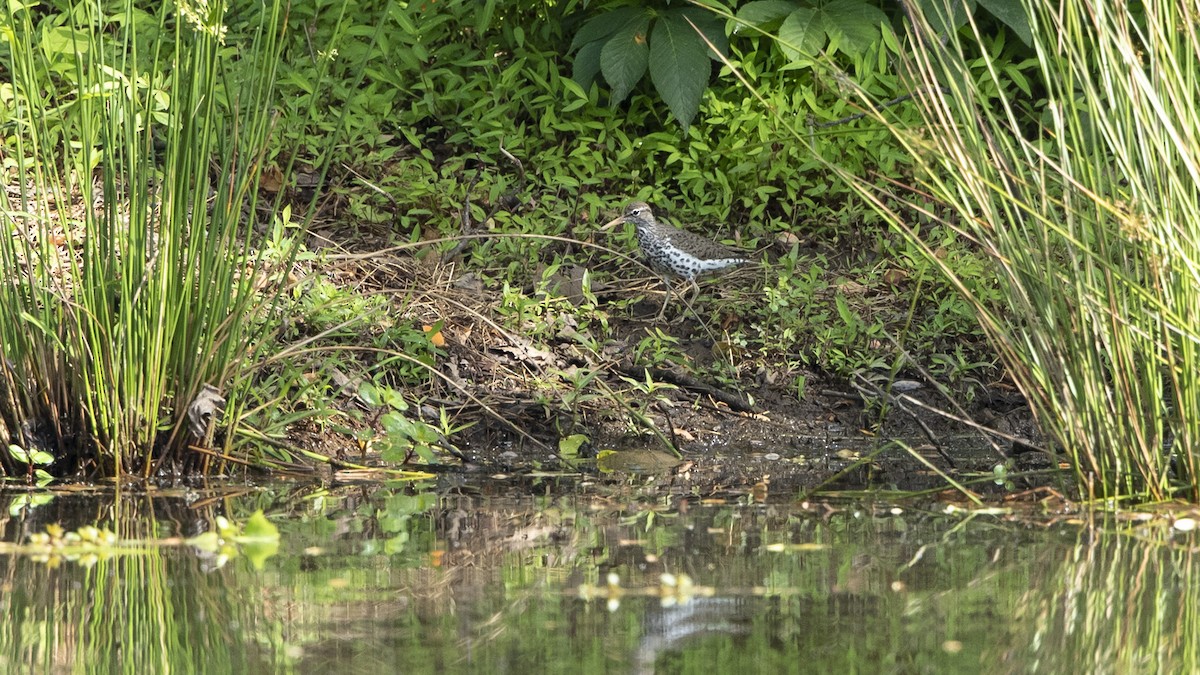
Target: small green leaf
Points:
x,y
18,453
848,316
569,446
41,458
426,453
258,551
206,541
394,399
369,394
396,424
483,17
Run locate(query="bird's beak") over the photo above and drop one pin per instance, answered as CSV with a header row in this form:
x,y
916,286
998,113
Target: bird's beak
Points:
x,y
613,223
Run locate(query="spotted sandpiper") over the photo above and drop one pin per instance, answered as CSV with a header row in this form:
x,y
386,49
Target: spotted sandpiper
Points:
x,y
671,251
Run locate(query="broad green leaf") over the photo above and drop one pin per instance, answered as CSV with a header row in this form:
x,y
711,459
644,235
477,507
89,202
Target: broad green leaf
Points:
x,y
802,33
713,28
942,19
857,21
624,57
424,433
765,14
1012,14
64,41
678,66
587,64
603,26
394,399
259,539
205,541
426,453
257,552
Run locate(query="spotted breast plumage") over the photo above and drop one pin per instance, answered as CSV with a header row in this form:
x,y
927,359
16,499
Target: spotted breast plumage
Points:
x,y
673,252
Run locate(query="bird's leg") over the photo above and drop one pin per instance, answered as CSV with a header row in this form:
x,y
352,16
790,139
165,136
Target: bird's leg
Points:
x,y
690,304
666,299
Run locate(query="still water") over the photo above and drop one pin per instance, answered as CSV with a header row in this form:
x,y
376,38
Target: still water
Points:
x,y
535,577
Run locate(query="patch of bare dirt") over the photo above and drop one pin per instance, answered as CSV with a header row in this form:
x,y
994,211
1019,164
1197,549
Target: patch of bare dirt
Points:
x,y
527,382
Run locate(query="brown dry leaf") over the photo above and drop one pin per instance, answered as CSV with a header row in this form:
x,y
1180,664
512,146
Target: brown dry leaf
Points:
x,y
272,179
526,353
434,336
851,287
759,491
787,239
894,277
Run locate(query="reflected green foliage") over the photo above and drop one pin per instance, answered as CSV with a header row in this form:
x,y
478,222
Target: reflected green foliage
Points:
x,y
122,597
366,580
1119,604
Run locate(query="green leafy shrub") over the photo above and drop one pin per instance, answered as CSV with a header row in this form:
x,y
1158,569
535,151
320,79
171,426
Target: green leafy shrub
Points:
x,y
674,44
804,29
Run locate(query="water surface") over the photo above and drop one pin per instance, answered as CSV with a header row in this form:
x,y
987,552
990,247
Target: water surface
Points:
x,y
523,577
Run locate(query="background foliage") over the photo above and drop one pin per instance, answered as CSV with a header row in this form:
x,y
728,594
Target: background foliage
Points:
x,y
410,103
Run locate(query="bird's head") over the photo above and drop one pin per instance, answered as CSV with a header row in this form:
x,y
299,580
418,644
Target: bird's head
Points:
x,y
638,213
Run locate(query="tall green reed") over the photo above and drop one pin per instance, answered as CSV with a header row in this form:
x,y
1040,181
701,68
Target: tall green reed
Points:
x,y
1088,202
129,277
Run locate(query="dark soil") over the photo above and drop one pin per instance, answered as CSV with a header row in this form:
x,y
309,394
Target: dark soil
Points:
x,y
737,435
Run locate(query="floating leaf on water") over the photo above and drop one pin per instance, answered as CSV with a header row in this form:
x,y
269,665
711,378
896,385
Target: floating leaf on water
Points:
x,y
636,461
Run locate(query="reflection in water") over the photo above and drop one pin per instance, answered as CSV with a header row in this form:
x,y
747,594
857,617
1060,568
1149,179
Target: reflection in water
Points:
x,y
371,580
146,609
669,629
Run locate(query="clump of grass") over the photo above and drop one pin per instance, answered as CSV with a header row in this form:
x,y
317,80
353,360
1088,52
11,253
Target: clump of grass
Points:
x,y
129,281
1087,199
